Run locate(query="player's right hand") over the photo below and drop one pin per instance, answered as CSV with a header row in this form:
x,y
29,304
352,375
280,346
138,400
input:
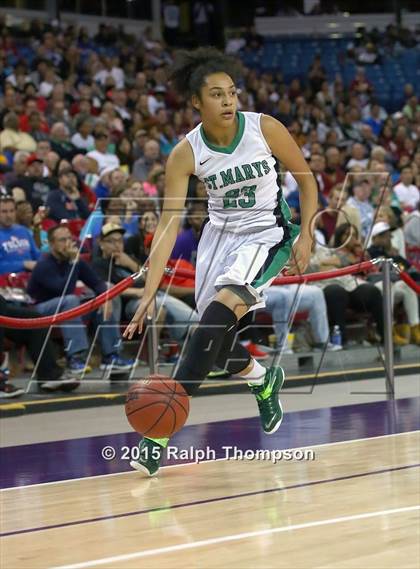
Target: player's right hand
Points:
x,y
145,308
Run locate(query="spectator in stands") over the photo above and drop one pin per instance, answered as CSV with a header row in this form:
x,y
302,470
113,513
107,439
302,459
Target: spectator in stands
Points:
x,y
66,202
360,200
113,261
53,285
358,157
110,70
20,165
337,212
117,182
60,141
412,228
18,251
103,157
346,292
375,119
382,247
282,302
49,375
334,174
142,166
83,138
12,138
407,192
34,222
187,241
140,139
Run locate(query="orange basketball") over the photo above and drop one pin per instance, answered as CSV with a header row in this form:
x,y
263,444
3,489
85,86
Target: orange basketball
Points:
x,y
157,406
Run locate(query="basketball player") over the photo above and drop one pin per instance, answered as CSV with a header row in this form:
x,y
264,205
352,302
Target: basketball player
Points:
x,y
248,238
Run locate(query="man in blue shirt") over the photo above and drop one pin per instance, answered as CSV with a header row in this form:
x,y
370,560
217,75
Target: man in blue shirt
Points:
x,y
18,251
66,202
53,284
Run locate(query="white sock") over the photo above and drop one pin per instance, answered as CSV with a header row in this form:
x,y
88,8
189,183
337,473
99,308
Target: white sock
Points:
x,y
256,375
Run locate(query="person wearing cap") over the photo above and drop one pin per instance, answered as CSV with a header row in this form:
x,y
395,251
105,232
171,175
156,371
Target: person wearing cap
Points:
x,y
104,158
114,264
401,292
35,166
30,177
52,286
66,202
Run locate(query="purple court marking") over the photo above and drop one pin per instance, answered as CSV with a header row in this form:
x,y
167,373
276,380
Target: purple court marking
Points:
x,y
78,458
208,500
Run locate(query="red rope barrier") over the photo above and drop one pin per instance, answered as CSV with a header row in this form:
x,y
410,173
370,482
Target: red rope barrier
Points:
x,y
310,277
410,282
45,321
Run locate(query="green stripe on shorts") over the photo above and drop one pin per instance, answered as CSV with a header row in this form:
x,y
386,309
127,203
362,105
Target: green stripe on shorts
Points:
x,y
279,260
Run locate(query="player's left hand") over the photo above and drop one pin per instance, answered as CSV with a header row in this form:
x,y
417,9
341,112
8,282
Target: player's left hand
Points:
x,y
301,254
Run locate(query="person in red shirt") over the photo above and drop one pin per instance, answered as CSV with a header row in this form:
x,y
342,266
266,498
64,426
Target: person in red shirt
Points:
x,y
334,174
33,119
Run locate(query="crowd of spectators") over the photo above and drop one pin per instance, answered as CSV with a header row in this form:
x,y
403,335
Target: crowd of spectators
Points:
x,y
86,127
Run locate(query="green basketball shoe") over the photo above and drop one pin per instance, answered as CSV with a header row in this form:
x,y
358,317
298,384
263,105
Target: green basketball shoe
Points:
x,y
150,455
267,396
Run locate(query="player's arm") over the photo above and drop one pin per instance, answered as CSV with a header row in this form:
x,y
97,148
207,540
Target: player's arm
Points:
x,y
285,149
179,168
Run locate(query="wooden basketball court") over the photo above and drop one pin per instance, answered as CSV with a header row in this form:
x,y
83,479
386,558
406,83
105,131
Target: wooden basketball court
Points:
x,y
353,503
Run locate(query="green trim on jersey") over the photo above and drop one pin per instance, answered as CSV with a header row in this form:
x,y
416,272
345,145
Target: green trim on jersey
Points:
x,y
233,145
280,258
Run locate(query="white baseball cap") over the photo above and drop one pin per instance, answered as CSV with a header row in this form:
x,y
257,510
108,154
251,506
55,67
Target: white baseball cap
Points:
x,y
379,228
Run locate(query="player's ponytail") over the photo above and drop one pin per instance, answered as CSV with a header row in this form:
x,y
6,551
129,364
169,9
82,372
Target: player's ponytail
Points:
x,y
191,68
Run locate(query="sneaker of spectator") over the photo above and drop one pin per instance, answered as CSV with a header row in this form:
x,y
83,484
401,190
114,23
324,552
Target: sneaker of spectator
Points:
x,y
7,389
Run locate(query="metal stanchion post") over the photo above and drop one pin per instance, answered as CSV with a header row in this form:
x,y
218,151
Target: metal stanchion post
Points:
x,y
388,310
152,342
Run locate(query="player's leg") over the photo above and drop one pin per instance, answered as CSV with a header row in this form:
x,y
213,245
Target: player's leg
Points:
x,y
265,383
220,317
244,260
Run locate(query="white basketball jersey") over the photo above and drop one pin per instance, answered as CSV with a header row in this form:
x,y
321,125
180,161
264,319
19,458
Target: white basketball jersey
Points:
x,y
241,179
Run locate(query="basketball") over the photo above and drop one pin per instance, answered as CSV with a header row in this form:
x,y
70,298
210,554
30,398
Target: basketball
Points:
x,y
157,406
